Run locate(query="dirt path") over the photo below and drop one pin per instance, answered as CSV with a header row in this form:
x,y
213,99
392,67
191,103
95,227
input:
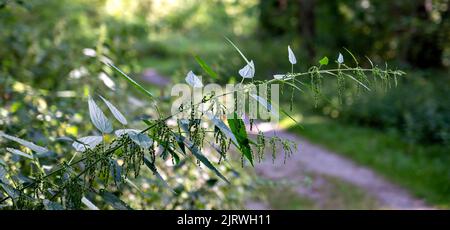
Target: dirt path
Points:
x,y
312,159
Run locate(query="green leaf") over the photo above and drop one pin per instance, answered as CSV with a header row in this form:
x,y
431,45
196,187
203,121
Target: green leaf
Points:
x,y
323,61
98,118
152,168
30,145
117,114
114,201
238,128
238,50
206,68
130,80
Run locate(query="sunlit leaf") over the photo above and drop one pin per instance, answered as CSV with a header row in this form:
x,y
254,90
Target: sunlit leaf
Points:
x,y
292,58
324,61
248,71
89,204
121,132
117,114
25,143
193,80
98,118
88,142
205,67
279,76
19,153
141,139
340,59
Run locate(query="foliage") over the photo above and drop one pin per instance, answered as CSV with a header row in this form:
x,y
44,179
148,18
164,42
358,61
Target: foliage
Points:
x,y
107,162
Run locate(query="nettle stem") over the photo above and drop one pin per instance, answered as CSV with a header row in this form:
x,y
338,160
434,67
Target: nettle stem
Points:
x,y
290,79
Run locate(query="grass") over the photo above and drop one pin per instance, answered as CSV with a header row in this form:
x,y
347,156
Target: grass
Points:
x,y
424,170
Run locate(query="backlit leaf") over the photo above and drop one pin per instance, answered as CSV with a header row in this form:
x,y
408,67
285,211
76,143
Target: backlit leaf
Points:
x,y
292,58
248,71
193,80
88,142
98,118
89,204
25,143
117,114
340,59
141,139
19,153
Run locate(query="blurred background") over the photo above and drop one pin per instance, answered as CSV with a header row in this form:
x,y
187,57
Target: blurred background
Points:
x,y
48,67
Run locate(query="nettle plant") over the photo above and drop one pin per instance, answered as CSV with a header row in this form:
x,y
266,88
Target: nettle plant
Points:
x,y
104,163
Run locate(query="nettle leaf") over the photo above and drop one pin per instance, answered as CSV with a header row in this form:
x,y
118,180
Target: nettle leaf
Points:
x,y
117,114
3,174
340,59
89,204
98,118
85,143
199,155
141,139
114,201
50,205
279,76
19,153
292,58
223,127
266,105
206,68
193,80
30,145
10,190
152,168
323,61
238,128
121,132
238,50
130,80
248,71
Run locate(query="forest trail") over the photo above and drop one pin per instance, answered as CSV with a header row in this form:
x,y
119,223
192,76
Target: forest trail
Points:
x,y
311,159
